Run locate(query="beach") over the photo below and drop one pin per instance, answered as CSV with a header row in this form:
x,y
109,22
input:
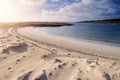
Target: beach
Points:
x,y
28,56
86,46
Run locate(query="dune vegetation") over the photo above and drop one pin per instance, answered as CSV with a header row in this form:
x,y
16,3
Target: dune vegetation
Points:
x,y
35,24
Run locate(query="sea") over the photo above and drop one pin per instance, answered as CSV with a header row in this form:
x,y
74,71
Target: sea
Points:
x,y
109,33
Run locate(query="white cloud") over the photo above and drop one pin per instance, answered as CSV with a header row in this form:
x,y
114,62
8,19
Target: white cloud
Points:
x,y
71,12
55,0
86,2
31,10
32,2
85,10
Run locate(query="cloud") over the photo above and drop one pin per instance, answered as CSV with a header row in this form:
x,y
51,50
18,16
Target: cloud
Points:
x,y
63,10
84,10
32,2
55,0
86,2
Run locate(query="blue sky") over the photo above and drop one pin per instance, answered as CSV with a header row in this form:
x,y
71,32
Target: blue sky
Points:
x,y
58,10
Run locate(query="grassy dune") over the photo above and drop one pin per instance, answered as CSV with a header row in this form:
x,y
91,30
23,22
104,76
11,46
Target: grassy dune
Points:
x,y
36,24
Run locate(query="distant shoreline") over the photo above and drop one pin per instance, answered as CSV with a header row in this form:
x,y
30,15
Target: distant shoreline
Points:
x,y
35,24
108,21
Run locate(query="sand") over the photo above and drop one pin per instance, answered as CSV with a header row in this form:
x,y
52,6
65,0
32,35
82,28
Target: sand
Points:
x,y
45,57
81,45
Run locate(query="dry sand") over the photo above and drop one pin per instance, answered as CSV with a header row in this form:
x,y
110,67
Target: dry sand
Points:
x,y
49,58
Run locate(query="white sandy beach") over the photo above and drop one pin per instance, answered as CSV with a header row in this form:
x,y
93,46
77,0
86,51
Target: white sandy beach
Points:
x,y
81,45
45,57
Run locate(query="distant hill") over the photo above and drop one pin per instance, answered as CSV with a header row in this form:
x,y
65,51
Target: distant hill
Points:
x,y
35,24
108,21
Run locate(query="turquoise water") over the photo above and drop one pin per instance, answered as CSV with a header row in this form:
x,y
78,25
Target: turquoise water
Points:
x,y
89,31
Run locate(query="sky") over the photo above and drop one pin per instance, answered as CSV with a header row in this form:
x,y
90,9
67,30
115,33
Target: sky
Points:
x,y
58,10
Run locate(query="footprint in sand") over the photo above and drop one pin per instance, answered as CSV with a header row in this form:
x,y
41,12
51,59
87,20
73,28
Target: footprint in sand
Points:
x,y
50,74
25,76
107,76
9,68
58,61
43,76
78,79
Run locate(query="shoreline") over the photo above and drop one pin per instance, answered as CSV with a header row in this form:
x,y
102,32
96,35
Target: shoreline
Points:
x,y
89,41
115,44
87,46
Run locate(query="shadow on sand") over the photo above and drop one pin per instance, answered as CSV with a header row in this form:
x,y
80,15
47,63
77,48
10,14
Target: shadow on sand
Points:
x,y
20,48
43,76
